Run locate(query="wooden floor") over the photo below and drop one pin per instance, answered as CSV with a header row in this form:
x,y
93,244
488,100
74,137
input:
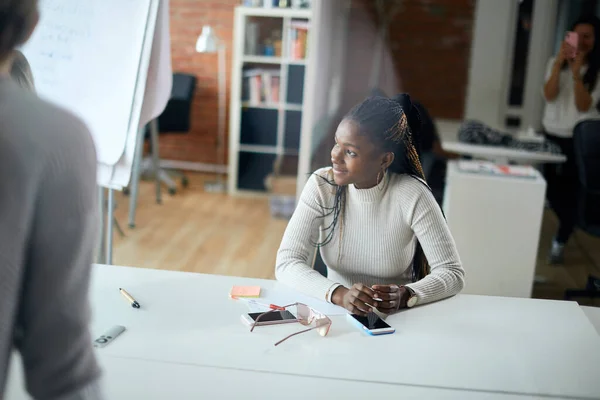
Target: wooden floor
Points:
x,y
218,234
199,232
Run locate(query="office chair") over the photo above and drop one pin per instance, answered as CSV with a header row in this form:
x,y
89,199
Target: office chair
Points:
x,y
176,118
586,143
319,264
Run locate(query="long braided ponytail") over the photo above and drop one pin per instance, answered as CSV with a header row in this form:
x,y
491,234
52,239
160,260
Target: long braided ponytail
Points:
x,y
407,143
394,126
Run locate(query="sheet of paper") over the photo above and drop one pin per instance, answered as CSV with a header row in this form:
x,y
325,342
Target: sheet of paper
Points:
x,y
282,296
73,62
254,306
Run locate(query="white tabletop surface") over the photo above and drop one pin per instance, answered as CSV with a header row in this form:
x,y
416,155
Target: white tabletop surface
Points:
x,y
151,380
593,314
495,153
466,343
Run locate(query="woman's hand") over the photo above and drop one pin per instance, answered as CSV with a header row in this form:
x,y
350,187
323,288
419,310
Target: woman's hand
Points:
x,y
356,299
576,64
564,53
393,298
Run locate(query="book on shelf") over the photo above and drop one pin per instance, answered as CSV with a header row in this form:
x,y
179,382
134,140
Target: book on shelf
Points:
x,y
298,49
489,168
261,86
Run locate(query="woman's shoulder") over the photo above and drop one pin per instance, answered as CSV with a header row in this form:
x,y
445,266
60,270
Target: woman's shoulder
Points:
x,y
550,65
409,187
49,123
322,178
320,183
324,173
49,131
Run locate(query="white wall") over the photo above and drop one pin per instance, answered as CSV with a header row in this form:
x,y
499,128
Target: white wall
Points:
x,y
489,67
327,54
360,60
327,82
492,56
541,48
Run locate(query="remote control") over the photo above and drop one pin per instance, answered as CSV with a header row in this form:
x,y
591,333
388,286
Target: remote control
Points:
x,y
109,336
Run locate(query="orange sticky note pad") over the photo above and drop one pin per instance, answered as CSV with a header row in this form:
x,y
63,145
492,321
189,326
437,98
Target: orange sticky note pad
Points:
x,y
245,291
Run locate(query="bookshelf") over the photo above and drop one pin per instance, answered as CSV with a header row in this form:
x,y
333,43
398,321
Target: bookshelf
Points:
x,y
271,72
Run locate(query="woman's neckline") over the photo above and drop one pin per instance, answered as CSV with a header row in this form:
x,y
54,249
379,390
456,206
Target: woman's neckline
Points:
x,y
372,194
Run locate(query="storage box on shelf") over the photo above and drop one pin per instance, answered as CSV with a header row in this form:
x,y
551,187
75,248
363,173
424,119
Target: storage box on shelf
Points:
x,y
281,185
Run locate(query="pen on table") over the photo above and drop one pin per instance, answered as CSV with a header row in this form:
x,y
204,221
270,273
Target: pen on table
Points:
x,y
133,301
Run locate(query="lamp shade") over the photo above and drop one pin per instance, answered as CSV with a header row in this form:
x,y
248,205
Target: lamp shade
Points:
x,y
207,42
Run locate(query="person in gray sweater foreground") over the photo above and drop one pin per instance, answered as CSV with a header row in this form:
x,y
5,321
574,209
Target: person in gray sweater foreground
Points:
x,y
48,226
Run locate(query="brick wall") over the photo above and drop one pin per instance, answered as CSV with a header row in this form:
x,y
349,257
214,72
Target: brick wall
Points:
x,y
431,40
431,43
187,19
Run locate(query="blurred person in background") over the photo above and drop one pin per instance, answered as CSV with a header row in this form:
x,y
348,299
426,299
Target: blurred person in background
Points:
x,y
48,228
572,92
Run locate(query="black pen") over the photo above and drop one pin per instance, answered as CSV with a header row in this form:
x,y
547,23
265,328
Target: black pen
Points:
x,y
133,301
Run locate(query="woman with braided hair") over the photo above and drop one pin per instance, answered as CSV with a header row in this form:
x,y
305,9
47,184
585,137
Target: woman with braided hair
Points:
x,y
374,219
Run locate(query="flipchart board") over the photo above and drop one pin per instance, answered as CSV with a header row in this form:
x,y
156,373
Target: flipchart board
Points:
x,y
159,84
92,58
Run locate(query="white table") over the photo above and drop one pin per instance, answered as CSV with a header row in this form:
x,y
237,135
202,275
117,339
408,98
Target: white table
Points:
x,y
187,340
153,380
502,155
593,314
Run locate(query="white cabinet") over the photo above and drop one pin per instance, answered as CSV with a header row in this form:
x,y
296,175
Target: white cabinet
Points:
x,y
496,222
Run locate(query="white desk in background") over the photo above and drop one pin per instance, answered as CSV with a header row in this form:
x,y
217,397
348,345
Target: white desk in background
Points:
x,y
448,132
593,314
502,155
496,222
463,347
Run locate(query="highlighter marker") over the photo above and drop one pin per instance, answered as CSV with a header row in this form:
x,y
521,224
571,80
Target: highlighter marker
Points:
x,y
131,300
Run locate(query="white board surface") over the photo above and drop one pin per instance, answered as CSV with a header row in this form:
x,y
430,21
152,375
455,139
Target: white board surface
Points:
x,y
91,57
156,93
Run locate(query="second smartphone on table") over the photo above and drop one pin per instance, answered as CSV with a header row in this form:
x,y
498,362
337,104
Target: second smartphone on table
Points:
x,y
272,318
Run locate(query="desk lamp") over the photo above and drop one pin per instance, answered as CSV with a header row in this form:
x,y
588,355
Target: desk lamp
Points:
x,y
208,42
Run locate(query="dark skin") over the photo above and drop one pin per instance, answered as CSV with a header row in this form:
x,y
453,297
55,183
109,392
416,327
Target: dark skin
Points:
x,y
358,161
583,99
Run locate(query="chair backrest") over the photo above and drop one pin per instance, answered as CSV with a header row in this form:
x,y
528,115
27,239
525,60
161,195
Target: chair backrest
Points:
x,y
586,143
178,114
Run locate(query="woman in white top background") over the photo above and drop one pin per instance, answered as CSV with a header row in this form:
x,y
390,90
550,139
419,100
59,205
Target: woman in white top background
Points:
x,y
572,93
378,227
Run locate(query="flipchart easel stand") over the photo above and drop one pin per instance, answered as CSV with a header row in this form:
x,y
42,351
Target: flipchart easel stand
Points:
x,y
155,98
106,203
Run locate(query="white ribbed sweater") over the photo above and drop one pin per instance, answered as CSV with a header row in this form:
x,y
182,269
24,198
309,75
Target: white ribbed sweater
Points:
x,y
378,242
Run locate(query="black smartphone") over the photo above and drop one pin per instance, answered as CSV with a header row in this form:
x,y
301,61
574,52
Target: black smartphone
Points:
x,y
371,324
